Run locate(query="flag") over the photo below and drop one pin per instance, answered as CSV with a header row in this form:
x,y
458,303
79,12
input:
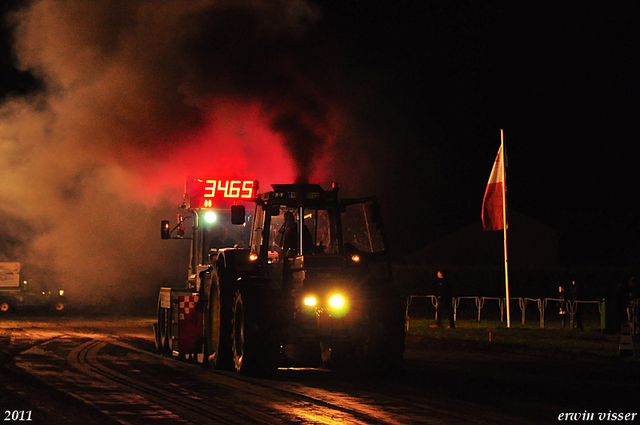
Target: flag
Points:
x,y
492,218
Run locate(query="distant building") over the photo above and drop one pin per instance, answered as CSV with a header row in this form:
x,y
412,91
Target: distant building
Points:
x,y
530,244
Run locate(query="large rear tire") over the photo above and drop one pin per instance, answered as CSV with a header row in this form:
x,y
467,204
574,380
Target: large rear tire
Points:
x,y
218,342
157,328
256,343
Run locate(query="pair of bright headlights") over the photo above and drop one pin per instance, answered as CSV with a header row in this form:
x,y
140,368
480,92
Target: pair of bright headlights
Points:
x,y
336,301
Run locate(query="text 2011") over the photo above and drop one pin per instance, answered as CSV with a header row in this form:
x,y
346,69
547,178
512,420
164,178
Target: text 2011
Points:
x,y
17,415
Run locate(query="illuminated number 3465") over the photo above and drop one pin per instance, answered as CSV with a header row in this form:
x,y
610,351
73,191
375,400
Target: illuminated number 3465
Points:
x,y
229,189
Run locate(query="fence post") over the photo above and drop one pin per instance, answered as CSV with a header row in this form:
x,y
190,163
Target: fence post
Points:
x,y
523,307
479,305
541,310
544,309
435,301
455,303
571,306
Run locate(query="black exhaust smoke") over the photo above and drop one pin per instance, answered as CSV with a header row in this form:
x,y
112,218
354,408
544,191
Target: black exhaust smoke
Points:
x,y
271,55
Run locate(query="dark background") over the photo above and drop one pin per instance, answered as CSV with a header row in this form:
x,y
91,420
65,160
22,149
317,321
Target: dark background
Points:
x,y
561,79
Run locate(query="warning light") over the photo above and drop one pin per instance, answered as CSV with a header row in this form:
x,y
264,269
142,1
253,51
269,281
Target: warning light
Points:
x,y
210,217
165,230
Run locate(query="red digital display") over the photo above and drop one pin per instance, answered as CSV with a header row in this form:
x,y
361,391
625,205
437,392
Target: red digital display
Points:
x,y
209,192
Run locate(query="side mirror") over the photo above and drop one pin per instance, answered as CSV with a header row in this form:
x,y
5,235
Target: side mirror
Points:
x,y
237,214
165,230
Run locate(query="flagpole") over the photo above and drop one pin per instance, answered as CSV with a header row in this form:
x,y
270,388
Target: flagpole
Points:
x,y
504,222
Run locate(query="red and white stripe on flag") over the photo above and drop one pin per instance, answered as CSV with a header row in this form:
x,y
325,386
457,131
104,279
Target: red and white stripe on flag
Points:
x,y
492,218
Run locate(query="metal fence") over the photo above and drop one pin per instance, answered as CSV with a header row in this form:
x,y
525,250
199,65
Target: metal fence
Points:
x,y
523,302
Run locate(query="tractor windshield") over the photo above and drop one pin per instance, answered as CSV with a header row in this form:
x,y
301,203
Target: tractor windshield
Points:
x,y
319,235
320,228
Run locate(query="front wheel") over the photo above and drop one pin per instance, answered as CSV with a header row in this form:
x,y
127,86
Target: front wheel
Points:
x,y
157,328
255,335
162,330
381,350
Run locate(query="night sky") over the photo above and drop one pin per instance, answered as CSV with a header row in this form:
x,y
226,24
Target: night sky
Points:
x,y
561,79
426,87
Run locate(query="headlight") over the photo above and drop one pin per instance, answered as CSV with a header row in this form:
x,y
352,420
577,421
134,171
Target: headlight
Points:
x,y
337,301
310,301
61,292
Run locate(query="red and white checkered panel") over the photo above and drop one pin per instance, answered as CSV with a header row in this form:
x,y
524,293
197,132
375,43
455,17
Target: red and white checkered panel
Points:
x,y
187,303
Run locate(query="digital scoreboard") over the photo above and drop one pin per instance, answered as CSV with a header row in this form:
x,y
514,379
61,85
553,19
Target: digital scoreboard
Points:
x,y
215,192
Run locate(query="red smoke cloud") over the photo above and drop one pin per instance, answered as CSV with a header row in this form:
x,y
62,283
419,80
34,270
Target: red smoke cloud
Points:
x,y
234,142
143,81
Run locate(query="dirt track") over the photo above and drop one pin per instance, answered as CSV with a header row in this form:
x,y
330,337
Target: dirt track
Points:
x,y
477,378
541,384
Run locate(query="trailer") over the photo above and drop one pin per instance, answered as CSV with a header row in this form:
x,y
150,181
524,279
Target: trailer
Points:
x,y
202,217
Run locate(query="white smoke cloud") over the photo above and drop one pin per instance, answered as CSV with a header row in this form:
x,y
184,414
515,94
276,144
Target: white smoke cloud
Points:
x,y
136,96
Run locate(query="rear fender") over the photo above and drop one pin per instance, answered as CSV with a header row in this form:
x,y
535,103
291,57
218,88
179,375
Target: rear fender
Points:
x,y
235,262
231,257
